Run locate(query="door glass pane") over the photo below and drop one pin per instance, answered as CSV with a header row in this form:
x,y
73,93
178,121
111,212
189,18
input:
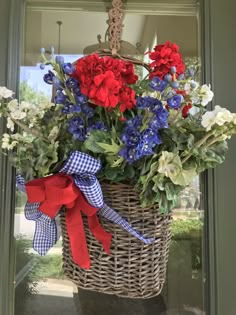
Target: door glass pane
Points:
x,y
41,286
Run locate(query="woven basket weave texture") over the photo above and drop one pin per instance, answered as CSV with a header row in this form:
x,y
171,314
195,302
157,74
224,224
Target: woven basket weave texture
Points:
x,y
133,269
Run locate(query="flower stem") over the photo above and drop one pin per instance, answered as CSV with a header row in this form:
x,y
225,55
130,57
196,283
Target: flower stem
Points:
x,y
197,145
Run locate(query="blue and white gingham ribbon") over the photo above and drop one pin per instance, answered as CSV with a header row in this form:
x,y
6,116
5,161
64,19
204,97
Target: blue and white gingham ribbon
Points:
x,y
82,167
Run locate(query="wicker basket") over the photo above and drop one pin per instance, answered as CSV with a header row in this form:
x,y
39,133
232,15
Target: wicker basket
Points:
x,y
132,269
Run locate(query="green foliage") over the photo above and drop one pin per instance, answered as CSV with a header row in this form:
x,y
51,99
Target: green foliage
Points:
x,y
186,228
49,266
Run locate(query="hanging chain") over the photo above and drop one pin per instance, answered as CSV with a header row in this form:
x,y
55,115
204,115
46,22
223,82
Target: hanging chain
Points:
x,y
116,17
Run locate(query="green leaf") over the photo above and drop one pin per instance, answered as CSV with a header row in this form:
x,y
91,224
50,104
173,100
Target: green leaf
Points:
x,y
112,148
95,137
183,177
114,160
159,182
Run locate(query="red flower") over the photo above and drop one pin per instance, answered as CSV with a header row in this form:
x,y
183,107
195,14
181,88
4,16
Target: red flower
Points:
x,y
186,109
182,92
122,118
104,80
104,90
127,73
127,98
165,56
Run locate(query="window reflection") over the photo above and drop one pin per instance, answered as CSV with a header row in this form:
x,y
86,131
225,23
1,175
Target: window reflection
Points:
x,y
40,284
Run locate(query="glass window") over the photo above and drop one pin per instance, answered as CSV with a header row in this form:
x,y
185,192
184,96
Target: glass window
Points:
x,y
41,287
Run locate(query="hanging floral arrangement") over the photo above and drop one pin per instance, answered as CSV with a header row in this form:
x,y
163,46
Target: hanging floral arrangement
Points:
x,y
105,123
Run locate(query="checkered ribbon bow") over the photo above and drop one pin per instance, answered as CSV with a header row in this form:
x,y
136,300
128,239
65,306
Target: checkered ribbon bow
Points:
x,y
82,167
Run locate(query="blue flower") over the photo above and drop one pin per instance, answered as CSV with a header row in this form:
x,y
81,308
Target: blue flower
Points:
x,y
128,153
160,119
148,102
48,77
168,77
60,97
175,101
130,137
81,99
69,108
87,110
59,60
174,84
76,128
143,102
190,72
151,136
68,68
181,76
99,125
57,83
133,122
157,84
156,105
72,83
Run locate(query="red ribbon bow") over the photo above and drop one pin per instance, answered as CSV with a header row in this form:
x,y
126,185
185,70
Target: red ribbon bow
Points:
x,y
57,190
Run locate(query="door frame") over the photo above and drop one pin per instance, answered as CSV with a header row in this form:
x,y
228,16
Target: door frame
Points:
x,y
218,190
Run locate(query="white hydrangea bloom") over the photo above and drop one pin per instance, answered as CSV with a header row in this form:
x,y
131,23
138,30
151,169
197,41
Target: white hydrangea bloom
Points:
x,y
17,136
13,105
5,93
206,94
10,124
18,114
25,105
5,140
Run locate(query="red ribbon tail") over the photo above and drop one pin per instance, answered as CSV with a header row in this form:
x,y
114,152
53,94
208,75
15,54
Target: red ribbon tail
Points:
x,y
99,233
76,233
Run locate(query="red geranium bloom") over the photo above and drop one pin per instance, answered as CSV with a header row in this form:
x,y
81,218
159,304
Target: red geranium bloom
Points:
x,y
127,98
104,90
104,80
165,56
128,74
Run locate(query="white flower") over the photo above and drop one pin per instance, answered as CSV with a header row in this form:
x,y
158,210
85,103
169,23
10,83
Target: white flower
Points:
x,y
45,105
8,143
218,116
222,115
13,105
234,119
5,141
17,136
208,120
18,114
10,124
5,93
25,105
206,94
